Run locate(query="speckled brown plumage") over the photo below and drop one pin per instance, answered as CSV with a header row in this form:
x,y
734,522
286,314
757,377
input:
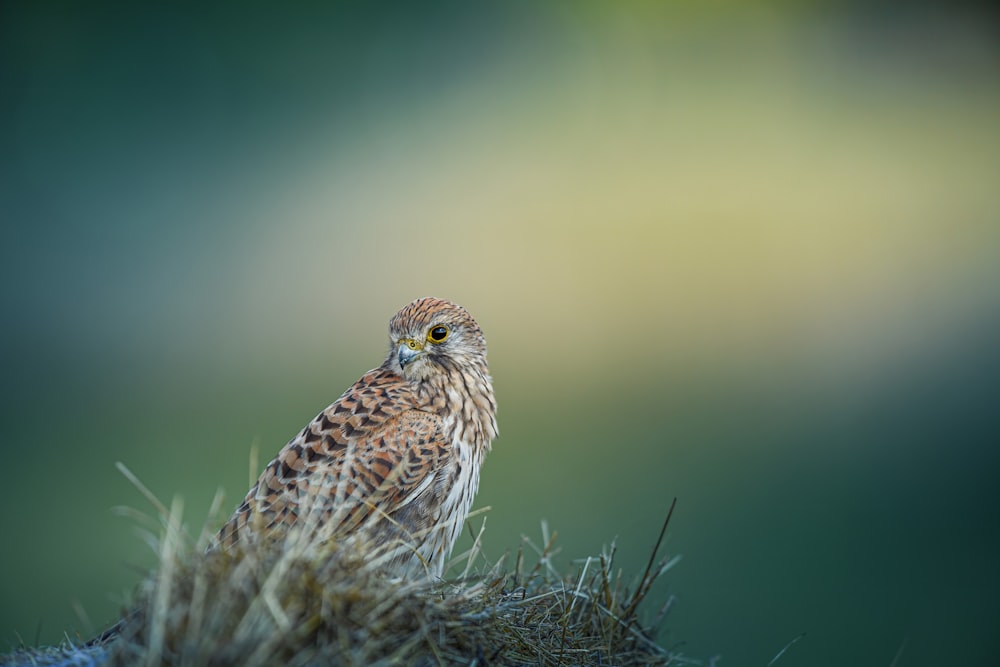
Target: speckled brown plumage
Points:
x,y
397,456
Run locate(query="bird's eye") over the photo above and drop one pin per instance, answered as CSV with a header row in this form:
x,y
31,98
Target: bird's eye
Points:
x,y
437,334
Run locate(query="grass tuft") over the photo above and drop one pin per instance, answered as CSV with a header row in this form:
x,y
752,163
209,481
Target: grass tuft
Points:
x,y
305,601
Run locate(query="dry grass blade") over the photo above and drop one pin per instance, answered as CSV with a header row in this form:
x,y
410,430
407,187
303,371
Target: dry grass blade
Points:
x,y
784,649
649,576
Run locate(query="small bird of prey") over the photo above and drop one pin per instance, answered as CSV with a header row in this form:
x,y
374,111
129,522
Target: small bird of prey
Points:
x,y
396,458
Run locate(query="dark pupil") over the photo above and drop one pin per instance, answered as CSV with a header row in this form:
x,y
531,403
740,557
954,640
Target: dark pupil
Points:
x,y
438,333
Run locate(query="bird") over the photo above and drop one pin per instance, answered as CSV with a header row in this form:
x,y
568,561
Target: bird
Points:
x,y
396,458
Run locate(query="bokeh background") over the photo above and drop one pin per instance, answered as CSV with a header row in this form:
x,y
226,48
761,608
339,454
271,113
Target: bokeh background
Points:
x,y
744,254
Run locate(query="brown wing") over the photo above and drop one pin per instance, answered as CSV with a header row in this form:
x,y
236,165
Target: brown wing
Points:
x,y
365,457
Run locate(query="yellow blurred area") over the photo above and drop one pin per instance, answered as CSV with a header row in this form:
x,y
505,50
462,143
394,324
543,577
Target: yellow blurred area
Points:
x,y
635,206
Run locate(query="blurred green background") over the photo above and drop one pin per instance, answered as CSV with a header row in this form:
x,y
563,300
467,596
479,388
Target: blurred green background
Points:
x,y
743,254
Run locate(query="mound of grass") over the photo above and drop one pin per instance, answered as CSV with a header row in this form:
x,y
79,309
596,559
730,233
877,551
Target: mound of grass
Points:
x,y
313,602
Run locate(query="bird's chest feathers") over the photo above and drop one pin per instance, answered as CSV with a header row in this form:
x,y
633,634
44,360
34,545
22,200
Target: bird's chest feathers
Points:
x,y
469,418
460,477
457,484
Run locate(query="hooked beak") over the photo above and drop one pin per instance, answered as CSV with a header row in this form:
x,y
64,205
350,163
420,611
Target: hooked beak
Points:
x,y
408,350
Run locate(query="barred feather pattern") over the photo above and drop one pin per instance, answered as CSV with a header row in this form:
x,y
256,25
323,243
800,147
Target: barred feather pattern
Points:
x,y
396,458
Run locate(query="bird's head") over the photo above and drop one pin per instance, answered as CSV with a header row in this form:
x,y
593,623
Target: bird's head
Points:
x,y
432,336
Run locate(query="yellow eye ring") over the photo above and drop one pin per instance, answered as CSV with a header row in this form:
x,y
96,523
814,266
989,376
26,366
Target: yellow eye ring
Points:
x,y
437,334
